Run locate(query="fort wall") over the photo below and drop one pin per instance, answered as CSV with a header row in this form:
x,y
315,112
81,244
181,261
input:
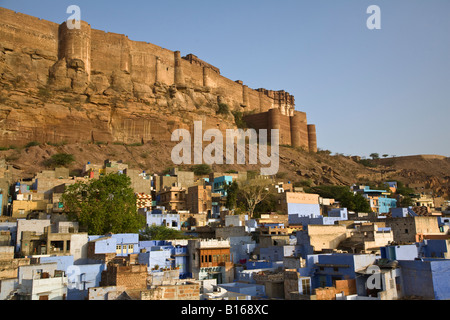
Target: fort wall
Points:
x,y
294,130
90,61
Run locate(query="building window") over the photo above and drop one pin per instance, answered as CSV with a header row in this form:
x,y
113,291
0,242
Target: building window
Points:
x,y
118,249
21,211
131,248
306,286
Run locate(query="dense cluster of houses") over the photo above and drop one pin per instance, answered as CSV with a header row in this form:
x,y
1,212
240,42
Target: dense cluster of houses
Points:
x,y
310,249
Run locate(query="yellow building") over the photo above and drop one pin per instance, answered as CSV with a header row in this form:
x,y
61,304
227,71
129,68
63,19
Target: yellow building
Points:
x,y
21,208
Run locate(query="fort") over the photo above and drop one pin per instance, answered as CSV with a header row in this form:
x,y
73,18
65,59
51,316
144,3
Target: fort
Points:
x,y
99,64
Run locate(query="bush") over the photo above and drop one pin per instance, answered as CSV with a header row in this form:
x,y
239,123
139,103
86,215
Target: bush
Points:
x,y
223,109
239,120
304,183
60,160
201,169
32,144
104,205
367,163
57,144
281,175
45,93
136,144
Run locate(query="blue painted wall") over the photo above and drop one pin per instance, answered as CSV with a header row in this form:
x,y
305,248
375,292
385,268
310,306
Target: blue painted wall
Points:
x,y
302,209
324,276
441,279
385,204
435,248
80,277
219,184
416,278
403,252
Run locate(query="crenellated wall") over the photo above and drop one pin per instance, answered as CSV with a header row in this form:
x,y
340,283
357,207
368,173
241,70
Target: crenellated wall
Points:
x,y
294,130
91,62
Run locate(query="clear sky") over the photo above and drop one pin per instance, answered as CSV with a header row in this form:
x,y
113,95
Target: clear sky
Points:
x,y
385,91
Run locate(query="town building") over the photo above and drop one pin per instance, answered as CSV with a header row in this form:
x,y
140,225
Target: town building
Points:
x,y
211,259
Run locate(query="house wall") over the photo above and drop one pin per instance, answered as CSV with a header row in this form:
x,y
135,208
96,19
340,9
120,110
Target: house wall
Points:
x,y
417,279
186,291
436,248
403,252
324,237
29,225
7,286
441,279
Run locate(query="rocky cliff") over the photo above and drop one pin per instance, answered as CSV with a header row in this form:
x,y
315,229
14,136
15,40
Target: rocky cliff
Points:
x,y
60,84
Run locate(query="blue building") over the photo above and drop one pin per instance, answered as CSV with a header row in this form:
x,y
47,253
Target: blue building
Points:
x,y
165,254
434,248
334,215
122,244
385,204
402,212
276,253
220,183
427,278
156,258
378,200
254,290
80,277
403,252
328,268
168,220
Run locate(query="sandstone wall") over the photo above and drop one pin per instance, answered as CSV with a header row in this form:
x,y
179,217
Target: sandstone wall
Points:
x,y
293,129
105,68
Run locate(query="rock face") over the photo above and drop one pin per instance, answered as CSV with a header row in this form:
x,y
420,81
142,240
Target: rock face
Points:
x,y
74,85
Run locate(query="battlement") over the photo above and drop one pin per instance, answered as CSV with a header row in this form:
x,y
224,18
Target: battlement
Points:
x,y
91,61
193,59
293,128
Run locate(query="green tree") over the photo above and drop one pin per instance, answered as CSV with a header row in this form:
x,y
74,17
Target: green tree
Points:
x,y
223,109
60,160
405,201
253,192
353,202
269,204
404,190
201,169
104,205
232,193
375,156
161,233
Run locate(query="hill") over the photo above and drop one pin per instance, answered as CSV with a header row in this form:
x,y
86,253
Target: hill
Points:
x,y
296,165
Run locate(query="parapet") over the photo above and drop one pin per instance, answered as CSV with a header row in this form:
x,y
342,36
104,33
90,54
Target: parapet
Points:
x,y
193,59
75,44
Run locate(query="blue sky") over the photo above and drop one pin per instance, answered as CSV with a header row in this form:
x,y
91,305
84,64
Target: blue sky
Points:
x,y
384,91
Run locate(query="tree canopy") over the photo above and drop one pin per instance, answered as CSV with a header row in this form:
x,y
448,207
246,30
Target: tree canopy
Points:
x,y
161,233
253,192
353,202
104,205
